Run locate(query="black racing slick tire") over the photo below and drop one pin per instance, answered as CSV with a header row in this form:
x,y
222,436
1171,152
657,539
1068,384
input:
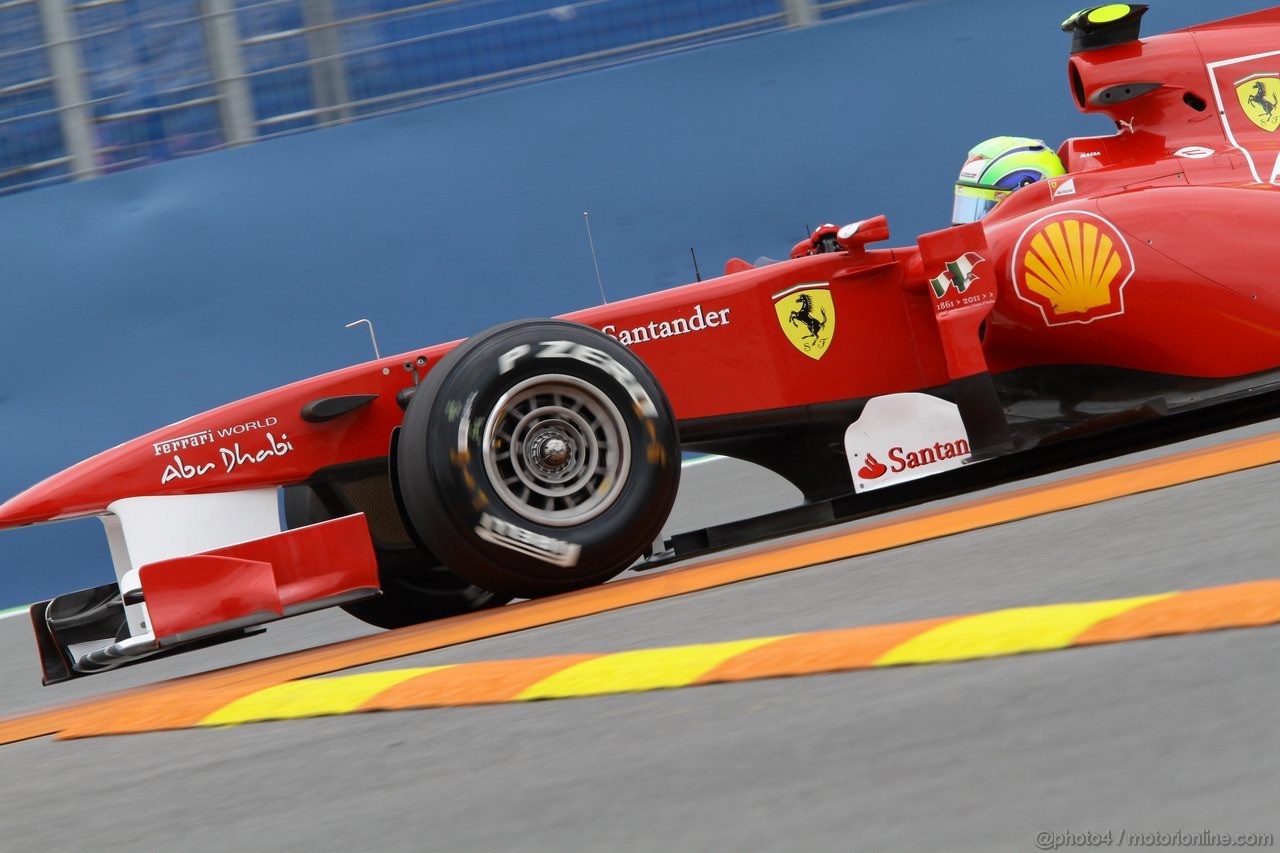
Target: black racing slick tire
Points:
x,y
415,586
415,589
538,457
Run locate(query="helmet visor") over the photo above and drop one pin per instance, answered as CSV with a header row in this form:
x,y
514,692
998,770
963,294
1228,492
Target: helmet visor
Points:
x,y
973,203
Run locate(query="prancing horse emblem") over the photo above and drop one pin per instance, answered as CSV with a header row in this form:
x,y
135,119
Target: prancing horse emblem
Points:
x,y
807,316
1260,98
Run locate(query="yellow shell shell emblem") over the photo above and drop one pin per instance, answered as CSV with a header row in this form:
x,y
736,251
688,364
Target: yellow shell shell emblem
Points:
x,y
1260,98
1073,266
807,316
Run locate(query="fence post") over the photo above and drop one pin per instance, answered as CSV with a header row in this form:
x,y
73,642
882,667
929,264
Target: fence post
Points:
x,y
234,102
328,73
68,87
800,13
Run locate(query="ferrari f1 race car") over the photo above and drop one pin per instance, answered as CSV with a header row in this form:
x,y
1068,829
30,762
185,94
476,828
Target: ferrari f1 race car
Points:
x,y
1122,303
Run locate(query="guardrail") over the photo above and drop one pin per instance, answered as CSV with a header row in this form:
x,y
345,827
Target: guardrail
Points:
x,y
96,86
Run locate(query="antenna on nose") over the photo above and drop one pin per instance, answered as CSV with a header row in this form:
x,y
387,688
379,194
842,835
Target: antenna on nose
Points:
x,y
372,336
586,217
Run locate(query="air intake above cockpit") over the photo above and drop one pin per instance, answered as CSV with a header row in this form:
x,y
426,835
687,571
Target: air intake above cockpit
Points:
x,y
1103,26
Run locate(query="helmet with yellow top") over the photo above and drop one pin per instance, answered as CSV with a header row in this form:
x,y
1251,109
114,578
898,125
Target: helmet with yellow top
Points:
x,y
996,168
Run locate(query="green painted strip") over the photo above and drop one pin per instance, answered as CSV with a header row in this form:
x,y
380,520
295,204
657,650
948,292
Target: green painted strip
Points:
x,y
14,611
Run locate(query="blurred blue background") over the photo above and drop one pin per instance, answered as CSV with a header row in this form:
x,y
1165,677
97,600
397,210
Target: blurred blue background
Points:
x,y
144,295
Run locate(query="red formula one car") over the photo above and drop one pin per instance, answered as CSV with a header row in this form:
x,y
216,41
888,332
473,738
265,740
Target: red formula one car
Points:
x,y
1129,294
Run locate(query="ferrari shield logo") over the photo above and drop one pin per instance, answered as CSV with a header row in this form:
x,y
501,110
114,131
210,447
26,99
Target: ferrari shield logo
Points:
x,y
807,315
1260,97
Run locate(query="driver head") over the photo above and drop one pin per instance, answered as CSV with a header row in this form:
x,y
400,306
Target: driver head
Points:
x,y
996,168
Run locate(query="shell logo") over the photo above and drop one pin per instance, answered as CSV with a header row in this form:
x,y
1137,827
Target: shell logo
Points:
x,y
1073,266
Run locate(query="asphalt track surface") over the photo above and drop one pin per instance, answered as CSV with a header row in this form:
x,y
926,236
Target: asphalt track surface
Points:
x,y
1176,734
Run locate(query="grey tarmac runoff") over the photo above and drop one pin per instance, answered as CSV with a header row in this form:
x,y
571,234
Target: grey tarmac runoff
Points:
x,y
1173,733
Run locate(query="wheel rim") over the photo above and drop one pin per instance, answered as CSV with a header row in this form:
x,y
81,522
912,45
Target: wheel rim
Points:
x,y
556,450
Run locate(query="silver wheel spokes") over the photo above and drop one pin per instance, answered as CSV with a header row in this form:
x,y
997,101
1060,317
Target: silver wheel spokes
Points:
x,y
556,450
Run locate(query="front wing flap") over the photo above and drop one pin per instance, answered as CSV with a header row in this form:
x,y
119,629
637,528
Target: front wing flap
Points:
x,y
213,596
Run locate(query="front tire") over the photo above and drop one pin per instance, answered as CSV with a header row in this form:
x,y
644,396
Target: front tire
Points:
x,y
415,586
538,457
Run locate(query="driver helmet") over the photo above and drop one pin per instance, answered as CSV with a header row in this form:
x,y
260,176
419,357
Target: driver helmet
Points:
x,y
996,168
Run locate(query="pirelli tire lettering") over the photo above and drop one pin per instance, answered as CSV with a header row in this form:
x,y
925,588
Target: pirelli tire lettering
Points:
x,y
538,457
587,355
554,551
